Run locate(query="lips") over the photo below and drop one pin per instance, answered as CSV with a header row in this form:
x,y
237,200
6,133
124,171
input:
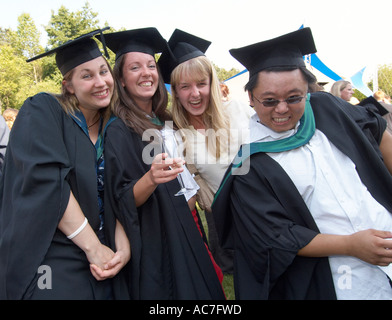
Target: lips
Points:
x,y
146,84
195,103
101,94
281,120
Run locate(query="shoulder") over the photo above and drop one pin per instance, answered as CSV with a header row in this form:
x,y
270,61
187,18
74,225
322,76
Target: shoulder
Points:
x,y
119,132
42,102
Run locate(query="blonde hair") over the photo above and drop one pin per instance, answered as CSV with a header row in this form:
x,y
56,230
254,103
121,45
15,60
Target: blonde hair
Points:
x,y
214,118
379,95
338,87
70,103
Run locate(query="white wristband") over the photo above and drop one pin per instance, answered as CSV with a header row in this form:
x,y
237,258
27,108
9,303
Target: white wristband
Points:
x,y
73,235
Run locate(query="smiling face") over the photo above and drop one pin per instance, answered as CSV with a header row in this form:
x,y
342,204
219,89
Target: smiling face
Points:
x,y
140,76
279,86
92,83
194,95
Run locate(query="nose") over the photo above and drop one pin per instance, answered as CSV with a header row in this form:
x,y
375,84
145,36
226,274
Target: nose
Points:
x,y
282,107
195,91
146,72
100,81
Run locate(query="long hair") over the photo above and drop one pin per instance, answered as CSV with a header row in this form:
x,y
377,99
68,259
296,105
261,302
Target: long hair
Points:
x,y
338,87
214,118
127,109
70,103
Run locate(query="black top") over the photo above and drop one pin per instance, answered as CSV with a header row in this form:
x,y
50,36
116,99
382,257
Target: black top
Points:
x,y
169,259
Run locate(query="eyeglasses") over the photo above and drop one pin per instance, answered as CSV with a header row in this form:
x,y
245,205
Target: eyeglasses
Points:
x,y
274,102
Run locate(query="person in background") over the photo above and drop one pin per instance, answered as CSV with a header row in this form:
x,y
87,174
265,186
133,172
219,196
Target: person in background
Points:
x,y
225,92
56,242
342,89
9,115
385,102
213,133
4,136
311,217
169,257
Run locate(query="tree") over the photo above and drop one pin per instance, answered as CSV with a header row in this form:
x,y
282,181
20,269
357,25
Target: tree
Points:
x,y
66,25
224,74
11,69
385,79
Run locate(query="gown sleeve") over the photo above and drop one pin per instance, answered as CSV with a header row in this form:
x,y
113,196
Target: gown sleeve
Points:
x,y
34,191
268,225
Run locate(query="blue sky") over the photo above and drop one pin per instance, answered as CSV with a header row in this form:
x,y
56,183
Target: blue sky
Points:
x,y
349,34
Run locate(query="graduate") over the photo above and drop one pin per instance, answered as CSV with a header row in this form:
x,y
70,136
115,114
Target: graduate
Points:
x,y
213,131
307,204
169,257
56,241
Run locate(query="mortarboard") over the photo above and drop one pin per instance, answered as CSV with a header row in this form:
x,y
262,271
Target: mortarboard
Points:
x,y
75,52
284,51
182,46
146,40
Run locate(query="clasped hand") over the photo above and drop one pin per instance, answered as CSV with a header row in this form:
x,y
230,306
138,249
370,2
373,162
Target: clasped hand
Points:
x,y
105,263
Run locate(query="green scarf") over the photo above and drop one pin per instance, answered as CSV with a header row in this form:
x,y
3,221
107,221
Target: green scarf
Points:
x,y
304,133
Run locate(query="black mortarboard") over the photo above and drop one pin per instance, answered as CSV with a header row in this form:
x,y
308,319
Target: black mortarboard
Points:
x,y
284,51
75,52
146,40
183,46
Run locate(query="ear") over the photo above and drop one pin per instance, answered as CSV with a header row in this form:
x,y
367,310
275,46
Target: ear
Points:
x,y
251,100
68,86
122,82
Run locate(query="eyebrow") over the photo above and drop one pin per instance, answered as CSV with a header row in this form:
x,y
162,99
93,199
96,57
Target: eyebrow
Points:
x,y
88,70
270,93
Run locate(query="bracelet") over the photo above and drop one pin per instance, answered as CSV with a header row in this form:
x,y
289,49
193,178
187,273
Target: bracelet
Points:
x,y
73,235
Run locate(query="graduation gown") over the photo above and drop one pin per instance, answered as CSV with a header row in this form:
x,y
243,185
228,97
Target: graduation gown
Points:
x,y
169,259
264,218
48,156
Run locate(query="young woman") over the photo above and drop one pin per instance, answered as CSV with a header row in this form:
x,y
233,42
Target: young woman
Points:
x,y
213,130
56,241
169,257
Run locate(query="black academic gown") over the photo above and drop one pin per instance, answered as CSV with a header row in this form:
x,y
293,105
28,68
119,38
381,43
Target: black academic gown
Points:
x,y
48,156
264,218
169,259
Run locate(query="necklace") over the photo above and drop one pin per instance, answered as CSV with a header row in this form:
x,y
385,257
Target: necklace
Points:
x,y
88,127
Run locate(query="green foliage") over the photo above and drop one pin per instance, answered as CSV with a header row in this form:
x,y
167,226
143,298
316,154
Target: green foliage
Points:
x,y
385,79
224,74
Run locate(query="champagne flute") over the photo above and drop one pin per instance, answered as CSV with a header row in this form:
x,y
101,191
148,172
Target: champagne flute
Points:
x,y
173,153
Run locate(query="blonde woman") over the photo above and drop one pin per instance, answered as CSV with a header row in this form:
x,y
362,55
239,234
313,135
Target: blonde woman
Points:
x,y
342,89
212,130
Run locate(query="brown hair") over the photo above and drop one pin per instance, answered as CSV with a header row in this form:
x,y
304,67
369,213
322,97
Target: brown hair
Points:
x,y
127,109
70,103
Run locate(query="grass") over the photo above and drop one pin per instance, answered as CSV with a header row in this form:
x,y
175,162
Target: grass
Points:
x,y
228,285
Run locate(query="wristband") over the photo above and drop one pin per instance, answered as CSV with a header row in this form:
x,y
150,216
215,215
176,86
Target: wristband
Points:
x,y
73,235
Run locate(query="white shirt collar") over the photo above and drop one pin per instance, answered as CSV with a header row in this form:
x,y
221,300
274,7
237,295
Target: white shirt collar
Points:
x,y
261,133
